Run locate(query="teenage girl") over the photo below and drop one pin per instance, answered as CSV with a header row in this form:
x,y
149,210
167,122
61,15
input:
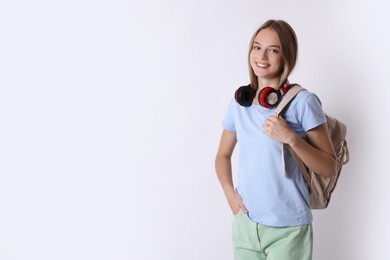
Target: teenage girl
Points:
x,y
272,216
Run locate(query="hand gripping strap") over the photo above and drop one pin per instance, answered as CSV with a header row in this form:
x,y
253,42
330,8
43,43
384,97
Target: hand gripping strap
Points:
x,y
291,93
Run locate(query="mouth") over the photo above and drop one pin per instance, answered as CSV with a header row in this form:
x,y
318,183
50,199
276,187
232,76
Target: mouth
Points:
x,y
262,65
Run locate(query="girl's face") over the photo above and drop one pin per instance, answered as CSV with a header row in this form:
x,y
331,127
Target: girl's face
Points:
x,y
266,56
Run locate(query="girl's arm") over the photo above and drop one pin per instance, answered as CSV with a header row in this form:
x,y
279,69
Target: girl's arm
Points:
x,y
318,154
223,167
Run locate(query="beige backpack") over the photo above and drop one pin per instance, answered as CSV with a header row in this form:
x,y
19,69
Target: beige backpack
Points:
x,y
320,187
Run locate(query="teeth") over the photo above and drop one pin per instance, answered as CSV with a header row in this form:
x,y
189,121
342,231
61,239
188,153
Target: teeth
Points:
x,y
262,65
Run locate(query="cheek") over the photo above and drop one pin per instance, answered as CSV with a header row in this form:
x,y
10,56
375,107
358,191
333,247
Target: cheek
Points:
x,y
251,60
251,56
279,62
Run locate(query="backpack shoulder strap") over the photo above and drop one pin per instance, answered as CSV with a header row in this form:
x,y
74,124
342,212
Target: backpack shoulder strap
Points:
x,y
291,93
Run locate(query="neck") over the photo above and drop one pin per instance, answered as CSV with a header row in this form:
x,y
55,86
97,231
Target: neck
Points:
x,y
273,83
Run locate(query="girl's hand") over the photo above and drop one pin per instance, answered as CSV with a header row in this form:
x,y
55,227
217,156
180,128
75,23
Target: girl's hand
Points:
x,y
236,204
277,128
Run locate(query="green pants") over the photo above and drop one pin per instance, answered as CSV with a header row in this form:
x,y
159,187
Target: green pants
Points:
x,y
252,241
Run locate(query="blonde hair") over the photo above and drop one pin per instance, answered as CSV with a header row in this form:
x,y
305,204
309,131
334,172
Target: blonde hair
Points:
x,y
289,47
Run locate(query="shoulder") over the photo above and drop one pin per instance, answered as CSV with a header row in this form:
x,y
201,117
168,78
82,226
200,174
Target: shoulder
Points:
x,y
305,96
306,99
306,107
233,106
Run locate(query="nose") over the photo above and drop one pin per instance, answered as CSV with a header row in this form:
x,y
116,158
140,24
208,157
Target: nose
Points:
x,y
263,54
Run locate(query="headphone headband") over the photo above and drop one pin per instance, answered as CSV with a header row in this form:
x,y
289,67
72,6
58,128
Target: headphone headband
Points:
x,y
285,87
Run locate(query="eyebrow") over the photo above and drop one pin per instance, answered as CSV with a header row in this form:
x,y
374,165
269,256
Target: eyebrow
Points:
x,y
273,46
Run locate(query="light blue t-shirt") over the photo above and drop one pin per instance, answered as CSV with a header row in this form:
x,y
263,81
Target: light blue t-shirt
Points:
x,y
271,198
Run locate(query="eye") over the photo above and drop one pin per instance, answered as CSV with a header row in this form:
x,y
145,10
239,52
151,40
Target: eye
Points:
x,y
255,47
274,50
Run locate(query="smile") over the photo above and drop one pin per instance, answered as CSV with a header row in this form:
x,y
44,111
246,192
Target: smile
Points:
x,y
262,65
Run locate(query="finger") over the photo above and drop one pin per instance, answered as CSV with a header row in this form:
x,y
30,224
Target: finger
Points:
x,y
273,118
235,210
240,203
267,123
243,208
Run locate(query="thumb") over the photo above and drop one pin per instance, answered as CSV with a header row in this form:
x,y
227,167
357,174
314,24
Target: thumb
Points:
x,y
243,208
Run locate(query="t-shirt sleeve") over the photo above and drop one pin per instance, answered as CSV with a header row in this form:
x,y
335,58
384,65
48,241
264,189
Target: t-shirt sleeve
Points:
x,y
228,120
312,113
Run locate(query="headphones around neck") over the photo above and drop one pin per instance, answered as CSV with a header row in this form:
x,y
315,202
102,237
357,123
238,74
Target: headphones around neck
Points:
x,y
268,96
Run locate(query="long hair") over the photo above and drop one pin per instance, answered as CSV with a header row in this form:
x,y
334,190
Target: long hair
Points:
x,y
289,47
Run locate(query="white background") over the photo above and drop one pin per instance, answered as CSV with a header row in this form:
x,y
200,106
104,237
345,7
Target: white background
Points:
x,y
110,118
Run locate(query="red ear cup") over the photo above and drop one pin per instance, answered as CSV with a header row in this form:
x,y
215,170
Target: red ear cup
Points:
x,y
269,97
244,95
